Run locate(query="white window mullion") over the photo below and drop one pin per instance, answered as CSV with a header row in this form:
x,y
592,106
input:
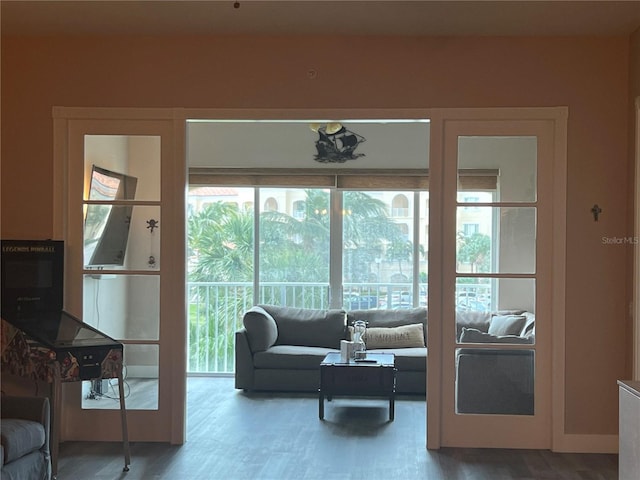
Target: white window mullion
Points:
x,y
256,246
416,249
335,249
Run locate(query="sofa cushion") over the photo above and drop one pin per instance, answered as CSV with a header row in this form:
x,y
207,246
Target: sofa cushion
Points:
x,y
404,336
309,327
20,437
291,357
506,325
391,318
407,359
471,335
262,330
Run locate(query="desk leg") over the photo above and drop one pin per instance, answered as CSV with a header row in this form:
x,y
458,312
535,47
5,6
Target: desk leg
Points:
x,y
321,405
56,410
392,407
123,416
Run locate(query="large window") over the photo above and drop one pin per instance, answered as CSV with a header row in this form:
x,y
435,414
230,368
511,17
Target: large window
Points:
x,y
306,247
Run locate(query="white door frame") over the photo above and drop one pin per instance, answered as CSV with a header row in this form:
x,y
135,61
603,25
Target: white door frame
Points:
x,y
437,117
470,430
173,333
636,250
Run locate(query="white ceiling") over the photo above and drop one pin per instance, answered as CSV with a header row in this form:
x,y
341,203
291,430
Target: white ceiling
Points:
x,y
345,17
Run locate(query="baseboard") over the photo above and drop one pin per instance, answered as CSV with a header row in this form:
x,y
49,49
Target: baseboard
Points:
x,y
573,443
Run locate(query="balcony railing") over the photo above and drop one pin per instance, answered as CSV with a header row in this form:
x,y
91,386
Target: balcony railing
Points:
x,y
216,310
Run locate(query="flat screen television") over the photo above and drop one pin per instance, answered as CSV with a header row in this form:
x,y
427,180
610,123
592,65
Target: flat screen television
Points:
x,y
106,226
32,276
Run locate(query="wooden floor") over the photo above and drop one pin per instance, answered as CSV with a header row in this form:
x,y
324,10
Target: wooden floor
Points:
x,y
235,436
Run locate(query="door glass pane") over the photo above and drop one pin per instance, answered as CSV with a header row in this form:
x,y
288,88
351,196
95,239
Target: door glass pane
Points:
x,y
294,247
122,237
486,295
495,239
504,165
131,159
499,382
125,307
140,372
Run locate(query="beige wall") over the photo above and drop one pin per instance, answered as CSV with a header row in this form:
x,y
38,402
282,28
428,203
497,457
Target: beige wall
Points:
x,y
589,75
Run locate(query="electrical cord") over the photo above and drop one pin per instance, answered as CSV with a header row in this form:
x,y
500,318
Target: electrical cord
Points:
x,y
93,395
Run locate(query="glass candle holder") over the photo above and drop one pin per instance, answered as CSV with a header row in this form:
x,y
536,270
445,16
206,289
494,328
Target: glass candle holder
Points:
x,y
359,329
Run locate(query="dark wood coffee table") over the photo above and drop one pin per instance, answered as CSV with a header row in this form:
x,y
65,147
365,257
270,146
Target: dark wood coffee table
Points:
x,y
374,378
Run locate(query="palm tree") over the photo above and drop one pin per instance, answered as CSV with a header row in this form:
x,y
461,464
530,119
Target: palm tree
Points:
x,y
367,230
220,242
292,249
475,250
366,220
399,251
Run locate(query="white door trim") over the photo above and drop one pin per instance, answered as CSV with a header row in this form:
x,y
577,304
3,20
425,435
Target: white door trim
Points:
x,y
438,118
559,275
636,250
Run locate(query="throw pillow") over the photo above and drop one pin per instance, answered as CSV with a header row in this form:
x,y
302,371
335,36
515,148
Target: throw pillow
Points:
x,y
472,335
261,329
472,319
390,318
506,324
405,336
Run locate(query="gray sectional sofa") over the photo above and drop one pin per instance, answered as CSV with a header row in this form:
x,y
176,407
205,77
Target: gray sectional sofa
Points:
x,y
281,348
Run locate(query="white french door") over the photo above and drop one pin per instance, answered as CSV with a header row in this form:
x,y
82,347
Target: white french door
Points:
x,y
497,364
122,219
